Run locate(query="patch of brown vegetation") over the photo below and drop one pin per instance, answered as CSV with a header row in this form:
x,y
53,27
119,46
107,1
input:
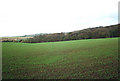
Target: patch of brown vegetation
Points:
x,y
12,38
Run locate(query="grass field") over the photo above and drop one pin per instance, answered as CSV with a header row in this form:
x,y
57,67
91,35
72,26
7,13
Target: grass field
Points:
x,y
78,59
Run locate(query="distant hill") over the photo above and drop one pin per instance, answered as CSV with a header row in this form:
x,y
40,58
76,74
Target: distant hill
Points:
x,y
89,33
32,35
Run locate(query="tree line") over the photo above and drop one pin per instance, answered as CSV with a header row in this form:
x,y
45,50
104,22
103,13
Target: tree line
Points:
x,y
89,33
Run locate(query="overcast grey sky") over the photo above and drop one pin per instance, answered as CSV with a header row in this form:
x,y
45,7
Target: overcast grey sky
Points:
x,y
23,17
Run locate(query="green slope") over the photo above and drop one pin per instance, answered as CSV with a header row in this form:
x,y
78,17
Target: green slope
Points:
x,y
83,59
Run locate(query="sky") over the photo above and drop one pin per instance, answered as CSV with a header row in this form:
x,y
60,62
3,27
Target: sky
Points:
x,y
24,17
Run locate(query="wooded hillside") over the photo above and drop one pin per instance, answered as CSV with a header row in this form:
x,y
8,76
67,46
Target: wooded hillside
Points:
x,y
90,33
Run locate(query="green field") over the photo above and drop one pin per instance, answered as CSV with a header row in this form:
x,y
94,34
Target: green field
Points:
x,y
77,59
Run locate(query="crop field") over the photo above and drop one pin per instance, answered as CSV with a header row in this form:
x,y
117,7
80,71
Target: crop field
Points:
x,y
76,59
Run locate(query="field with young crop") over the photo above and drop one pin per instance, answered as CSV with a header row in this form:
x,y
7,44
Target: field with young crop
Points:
x,y
77,59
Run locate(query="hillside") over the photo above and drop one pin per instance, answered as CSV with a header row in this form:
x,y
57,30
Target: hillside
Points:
x,y
89,33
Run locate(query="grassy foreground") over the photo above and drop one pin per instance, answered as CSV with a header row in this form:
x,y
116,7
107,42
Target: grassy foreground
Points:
x,y
78,59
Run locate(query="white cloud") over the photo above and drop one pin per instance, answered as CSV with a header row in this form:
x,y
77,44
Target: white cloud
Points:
x,y
21,17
